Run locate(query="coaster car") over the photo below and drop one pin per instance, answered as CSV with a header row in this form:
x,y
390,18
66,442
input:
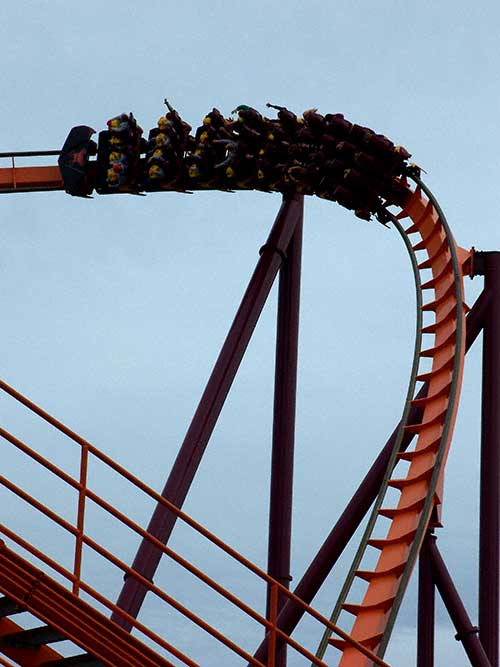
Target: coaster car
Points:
x,y
74,161
118,156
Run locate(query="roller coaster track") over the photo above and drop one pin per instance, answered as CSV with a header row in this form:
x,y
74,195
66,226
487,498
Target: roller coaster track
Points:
x,y
439,273
421,487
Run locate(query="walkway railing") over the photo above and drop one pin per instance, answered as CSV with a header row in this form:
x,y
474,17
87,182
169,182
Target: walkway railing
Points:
x,y
78,584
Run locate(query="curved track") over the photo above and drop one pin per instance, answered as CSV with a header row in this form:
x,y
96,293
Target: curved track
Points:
x,y
421,486
417,475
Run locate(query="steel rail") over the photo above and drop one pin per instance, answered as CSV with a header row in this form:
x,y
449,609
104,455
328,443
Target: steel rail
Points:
x,y
376,615
447,426
28,153
397,441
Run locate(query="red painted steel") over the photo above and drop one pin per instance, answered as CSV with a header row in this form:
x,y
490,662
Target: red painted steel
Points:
x,y
285,389
466,632
280,511
489,532
426,607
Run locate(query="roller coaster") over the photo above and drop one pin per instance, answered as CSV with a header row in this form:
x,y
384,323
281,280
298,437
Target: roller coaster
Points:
x,y
312,154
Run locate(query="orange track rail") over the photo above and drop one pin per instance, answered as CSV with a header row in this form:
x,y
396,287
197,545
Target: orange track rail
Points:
x,y
25,179
421,487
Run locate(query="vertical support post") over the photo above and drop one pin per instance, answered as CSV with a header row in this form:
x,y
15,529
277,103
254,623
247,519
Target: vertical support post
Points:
x,y
489,532
466,632
210,405
280,512
426,600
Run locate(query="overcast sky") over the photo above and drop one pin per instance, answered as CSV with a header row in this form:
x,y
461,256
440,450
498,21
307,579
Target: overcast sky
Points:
x,y
114,309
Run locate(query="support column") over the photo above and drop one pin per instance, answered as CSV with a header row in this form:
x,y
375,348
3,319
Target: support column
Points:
x,y
426,600
466,632
489,532
210,405
280,512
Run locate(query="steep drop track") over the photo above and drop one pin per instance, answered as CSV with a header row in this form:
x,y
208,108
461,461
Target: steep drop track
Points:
x,y
395,528
420,487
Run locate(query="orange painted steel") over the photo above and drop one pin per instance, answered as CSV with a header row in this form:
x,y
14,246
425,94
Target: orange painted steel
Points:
x,y
5,663
93,593
421,488
80,485
76,619
30,178
25,656
273,615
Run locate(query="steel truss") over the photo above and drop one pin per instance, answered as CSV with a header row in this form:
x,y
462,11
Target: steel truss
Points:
x,y
282,253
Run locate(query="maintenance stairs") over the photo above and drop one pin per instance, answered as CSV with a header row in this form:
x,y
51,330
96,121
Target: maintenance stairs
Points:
x,y
32,646
69,620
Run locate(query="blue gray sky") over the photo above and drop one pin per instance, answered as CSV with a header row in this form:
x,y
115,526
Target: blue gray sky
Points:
x,y
114,309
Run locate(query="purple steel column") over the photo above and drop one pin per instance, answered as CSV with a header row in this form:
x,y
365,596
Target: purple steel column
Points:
x,y
280,512
360,503
210,405
426,600
489,533
466,632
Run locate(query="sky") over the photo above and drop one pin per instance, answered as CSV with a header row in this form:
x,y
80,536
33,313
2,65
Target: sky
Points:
x,y
115,308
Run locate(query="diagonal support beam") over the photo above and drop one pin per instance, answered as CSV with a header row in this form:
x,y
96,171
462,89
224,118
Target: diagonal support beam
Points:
x,y
212,400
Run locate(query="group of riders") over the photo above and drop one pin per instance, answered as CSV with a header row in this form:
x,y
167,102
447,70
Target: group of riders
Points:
x,y
325,155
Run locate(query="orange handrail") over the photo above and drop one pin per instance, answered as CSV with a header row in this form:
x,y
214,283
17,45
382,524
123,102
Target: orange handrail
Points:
x,y
81,539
